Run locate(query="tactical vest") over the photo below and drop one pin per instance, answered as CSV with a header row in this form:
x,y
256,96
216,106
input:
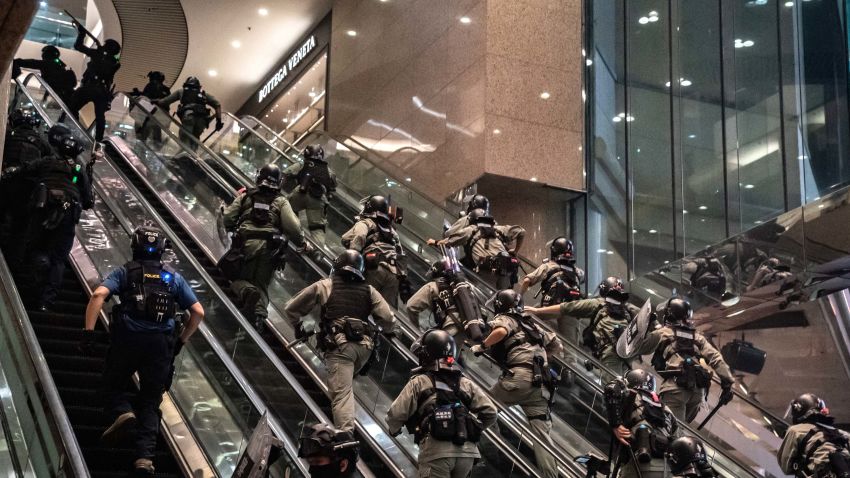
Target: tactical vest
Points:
x,y
348,299
526,333
314,178
560,285
448,417
381,245
192,101
809,445
683,343
59,76
597,338
23,146
61,175
258,207
147,294
654,439
101,70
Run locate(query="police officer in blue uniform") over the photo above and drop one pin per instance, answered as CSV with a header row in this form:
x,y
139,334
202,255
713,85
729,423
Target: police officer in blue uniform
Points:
x,y
143,333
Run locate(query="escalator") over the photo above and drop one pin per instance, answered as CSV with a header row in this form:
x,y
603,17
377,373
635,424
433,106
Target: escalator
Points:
x,y
214,406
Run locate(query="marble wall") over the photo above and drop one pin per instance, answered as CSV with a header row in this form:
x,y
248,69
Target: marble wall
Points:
x,y
450,91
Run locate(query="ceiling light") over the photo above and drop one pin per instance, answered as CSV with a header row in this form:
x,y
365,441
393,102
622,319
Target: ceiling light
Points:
x,y
212,73
821,206
351,33
652,231
465,20
588,62
684,82
236,43
643,20
610,252
311,94
692,136
263,12
789,4
739,43
617,119
749,186
545,95
534,179
408,179
497,131
43,4
601,251
667,84
684,211
703,208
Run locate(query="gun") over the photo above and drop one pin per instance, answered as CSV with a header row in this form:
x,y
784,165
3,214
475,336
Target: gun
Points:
x,y
81,26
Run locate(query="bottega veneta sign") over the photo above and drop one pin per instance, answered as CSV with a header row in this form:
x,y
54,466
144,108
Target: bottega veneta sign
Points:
x,y
284,70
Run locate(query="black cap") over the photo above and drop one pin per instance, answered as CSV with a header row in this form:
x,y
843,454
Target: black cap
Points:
x,y
269,176
508,301
49,52
349,265
156,76
112,47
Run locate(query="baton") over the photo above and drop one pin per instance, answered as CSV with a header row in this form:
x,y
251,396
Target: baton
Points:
x,y
88,33
505,370
710,415
212,133
300,341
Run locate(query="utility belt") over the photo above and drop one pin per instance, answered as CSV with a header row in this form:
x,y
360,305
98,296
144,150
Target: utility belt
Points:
x,y
690,376
97,83
452,423
502,264
649,443
354,330
55,204
194,109
541,376
232,262
598,345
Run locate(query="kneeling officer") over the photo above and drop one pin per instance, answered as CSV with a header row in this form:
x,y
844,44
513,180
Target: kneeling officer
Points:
x,y
444,410
142,336
346,334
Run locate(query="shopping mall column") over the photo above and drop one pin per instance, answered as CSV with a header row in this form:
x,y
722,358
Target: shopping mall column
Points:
x,y
13,25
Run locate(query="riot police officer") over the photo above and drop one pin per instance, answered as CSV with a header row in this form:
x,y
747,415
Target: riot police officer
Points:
x,y
444,411
346,335
640,422
154,90
452,302
193,111
261,221
687,459
560,282
375,237
96,86
331,453
679,354
52,69
493,248
24,145
478,201
522,349
62,191
813,446
142,341
609,315
315,183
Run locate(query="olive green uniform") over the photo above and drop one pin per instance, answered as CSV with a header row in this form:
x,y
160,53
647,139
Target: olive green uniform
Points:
x,y
684,402
519,390
570,328
635,419
193,125
386,276
483,249
439,458
251,288
607,327
349,357
315,208
818,456
422,300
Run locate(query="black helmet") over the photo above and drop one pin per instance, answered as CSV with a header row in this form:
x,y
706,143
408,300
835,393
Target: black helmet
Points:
x,y
64,141
508,301
323,440
685,452
112,47
436,348
440,268
314,152
613,287
156,76
269,176
192,82
678,311
480,216
374,205
807,406
27,118
148,243
349,264
561,251
479,201
49,53
640,380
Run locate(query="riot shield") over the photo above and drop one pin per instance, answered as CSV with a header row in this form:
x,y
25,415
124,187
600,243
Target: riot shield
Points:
x,y
636,333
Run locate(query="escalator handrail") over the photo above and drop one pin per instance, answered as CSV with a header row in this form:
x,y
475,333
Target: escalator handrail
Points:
x,y
214,288
218,349
55,408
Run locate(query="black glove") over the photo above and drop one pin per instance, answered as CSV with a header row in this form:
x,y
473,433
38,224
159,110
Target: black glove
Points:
x,y
87,342
219,123
405,290
301,333
178,346
726,393
135,92
389,334
16,71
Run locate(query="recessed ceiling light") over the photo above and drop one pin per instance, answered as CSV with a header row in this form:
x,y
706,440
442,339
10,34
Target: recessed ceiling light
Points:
x,y
236,44
534,179
311,94
643,20
465,20
692,136
588,62
497,131
789,4
545,95
43,4
351,33
263,11
749,186
601,251
684,82
703,208
652,231
408,179
212,73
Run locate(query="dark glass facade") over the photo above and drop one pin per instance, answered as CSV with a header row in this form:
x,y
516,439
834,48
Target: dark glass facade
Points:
x,y
706,118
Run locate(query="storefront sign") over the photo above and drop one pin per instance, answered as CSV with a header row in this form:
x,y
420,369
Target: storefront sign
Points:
x,y
281,74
